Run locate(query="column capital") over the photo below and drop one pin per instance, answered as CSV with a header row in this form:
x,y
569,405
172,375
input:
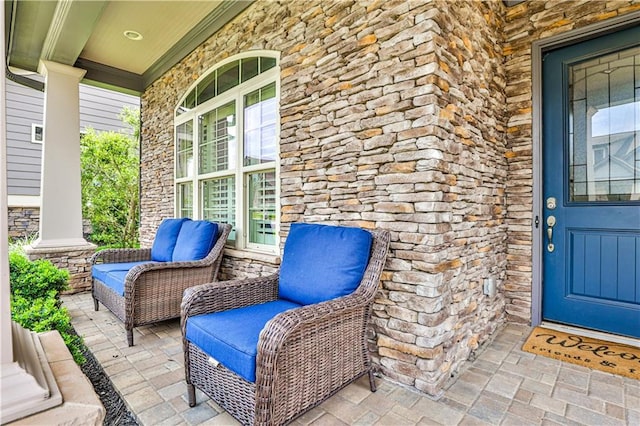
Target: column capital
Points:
x,y
46,67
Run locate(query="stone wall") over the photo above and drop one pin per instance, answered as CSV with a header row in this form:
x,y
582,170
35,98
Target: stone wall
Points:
x,y
392,116
76,260
24,222
236,264
525,23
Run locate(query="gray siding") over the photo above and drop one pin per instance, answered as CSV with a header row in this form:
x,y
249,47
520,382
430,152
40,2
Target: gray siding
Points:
x,y
24,107
99,109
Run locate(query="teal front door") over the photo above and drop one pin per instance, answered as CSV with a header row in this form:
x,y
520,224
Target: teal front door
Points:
x,y
591,184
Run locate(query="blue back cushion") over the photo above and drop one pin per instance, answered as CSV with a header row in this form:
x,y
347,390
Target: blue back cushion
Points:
x,y
322,262
231,337
165,241
195,240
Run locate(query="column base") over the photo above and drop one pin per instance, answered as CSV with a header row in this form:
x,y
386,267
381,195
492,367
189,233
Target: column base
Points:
x,y
28,384
65,243
81,403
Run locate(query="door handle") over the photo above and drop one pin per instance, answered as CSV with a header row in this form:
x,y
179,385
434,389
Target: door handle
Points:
x,y
551,222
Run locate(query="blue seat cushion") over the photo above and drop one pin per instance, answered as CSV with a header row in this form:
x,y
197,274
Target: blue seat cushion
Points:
x,y
231,337
195,240
114,274
165,240
322,262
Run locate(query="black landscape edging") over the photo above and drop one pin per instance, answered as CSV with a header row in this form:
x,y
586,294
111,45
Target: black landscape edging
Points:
x,y
117,411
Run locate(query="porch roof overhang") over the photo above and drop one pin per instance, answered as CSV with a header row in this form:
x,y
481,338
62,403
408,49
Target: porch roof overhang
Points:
x,y
90,35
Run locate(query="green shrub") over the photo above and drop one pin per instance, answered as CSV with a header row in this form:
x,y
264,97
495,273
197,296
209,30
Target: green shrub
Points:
x,y
46,314
110,165
35,279
35,287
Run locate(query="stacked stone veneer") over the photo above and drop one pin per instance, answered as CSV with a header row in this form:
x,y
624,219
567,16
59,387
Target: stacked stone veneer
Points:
x,y
525,23
23,222
402,115
392,116
235,264
76,260
23,226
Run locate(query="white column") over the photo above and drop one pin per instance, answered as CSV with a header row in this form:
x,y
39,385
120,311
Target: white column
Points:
x,y
20,393
6,348
61,197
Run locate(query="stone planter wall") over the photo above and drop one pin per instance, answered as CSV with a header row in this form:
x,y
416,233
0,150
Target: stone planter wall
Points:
x,y
76,260
525,23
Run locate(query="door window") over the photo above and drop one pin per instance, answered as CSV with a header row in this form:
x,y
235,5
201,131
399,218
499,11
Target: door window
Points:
x,y
604,128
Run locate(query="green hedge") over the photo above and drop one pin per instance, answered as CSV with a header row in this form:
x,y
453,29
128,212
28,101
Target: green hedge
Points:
x,y
35,303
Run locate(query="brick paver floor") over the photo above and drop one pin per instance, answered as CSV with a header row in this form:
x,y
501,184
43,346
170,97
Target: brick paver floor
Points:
x,y
503,385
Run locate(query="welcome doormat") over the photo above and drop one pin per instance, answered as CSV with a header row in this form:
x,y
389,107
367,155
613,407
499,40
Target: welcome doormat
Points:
x,y
592,353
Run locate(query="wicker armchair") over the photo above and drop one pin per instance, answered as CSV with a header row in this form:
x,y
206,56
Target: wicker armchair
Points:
x,y
153,290
304,355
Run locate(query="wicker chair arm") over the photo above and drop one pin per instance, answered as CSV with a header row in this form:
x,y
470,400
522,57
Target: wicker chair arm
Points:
x,y
121,255
353,307
138,270
224,295
276,331
298,338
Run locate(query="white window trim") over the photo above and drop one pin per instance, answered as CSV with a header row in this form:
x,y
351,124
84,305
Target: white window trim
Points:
x,y
34,127
241,172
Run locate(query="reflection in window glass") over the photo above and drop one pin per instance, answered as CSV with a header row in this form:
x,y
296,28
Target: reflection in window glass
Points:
x,y
206,89
267,63
184,150
262,207
260,125
188,103
218,139
225,78
228,77
604,128
219,201
249,68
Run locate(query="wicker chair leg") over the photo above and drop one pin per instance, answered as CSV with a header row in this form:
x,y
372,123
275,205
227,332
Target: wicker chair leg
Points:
x,y
191,395
95,304
130,337
372,382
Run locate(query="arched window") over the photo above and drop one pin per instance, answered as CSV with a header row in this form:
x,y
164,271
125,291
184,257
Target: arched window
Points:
x,y
226,149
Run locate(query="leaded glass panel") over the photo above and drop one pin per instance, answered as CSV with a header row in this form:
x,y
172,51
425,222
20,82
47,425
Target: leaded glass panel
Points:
x,y
604,128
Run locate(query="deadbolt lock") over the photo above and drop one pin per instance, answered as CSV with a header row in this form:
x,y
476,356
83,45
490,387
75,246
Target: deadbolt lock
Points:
x,y
551,203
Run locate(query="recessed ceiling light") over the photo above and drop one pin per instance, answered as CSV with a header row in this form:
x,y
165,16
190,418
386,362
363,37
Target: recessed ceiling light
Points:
x,y
133,35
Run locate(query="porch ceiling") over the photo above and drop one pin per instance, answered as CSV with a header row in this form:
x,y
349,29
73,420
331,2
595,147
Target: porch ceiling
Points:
x,y
90,35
